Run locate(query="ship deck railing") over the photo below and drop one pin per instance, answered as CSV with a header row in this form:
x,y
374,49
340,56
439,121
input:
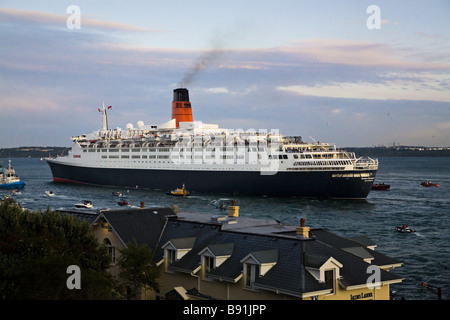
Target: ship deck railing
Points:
x,y
364,163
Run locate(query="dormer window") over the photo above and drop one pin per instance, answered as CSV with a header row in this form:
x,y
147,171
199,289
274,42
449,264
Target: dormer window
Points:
x,y
324,269
257,264
175,249
214,255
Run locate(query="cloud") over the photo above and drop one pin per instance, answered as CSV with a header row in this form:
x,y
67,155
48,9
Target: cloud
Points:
x,y
357,53
391,90
53,19
217,90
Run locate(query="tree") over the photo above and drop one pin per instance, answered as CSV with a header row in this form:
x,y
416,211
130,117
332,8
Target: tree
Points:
x,y
137,269
36,248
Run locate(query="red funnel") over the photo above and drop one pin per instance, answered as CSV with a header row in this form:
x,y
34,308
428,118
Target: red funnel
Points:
x,y
181,107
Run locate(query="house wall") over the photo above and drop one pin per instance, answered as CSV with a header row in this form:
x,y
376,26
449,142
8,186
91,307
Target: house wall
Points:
x,y
364,293
237,291
101,233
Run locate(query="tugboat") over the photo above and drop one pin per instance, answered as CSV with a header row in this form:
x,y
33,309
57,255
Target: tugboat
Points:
x,y
179,192
404,229
8,178
428,183
381,186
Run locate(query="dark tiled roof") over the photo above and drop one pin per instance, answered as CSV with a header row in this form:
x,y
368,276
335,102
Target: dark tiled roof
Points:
x,y
145,225
88,216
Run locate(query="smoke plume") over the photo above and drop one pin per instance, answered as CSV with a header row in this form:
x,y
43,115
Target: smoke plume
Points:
x,y
203,62
207,59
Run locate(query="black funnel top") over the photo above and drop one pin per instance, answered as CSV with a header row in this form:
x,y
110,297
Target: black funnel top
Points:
x,y
181,94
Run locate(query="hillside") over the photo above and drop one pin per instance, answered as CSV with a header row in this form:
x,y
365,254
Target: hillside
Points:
x,y
32,152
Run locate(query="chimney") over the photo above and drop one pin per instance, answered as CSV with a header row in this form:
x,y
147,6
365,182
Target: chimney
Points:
x,y
181,107
302,230
233,210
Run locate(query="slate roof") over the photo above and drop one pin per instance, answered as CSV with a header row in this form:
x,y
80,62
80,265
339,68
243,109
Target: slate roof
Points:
x,y
145,225
289,275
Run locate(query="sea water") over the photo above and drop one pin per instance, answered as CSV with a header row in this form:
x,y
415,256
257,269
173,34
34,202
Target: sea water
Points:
x,y
425,254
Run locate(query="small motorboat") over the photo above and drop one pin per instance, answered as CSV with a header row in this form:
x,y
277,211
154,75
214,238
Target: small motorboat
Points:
x,y
123,203
428,183
381,186
84,204
117,194
404,229
16,192
49,193
179,192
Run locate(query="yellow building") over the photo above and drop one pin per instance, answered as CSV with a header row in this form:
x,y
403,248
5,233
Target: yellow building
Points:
x,y
236,258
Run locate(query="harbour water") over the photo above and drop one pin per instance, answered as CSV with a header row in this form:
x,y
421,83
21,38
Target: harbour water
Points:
x,y
425,254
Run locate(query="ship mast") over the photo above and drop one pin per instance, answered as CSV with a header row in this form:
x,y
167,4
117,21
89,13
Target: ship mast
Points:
x,y
104,119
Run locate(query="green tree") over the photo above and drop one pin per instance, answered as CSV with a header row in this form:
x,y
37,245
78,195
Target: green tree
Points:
x,y
36,249
137,269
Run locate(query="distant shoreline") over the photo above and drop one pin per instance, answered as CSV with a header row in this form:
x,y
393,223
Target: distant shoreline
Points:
x,y
33,152
373,152
377,152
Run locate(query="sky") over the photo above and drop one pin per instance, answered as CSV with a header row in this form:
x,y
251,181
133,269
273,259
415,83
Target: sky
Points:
x,y
354,73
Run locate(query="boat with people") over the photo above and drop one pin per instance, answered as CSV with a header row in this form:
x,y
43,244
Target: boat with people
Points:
x,y
381,186
9,178
84,204
428,183
404,229
211,159
123,203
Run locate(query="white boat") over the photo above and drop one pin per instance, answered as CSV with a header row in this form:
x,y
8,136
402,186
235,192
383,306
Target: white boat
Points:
x,y
84,204
49,193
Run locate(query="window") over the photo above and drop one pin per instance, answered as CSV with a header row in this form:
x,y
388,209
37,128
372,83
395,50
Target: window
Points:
x,y
171,256
111,249
209,263
329,279
251,274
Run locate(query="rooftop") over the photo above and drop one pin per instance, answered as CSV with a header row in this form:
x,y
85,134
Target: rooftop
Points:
x,y
293,260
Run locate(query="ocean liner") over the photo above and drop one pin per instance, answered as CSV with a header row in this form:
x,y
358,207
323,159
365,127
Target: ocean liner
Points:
x,y
209,159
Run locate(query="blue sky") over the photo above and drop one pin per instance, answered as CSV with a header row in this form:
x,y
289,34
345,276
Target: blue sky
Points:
x,y
309,68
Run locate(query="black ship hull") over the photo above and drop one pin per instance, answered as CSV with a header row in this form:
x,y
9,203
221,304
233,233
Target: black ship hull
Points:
x,y
308,184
